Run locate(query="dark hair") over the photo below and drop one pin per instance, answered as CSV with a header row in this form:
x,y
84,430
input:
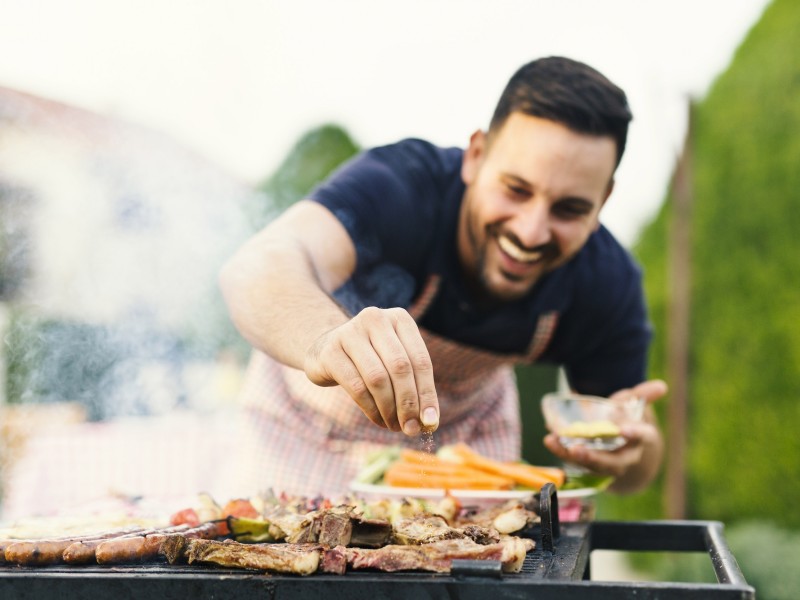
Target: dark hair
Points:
x,y
568,92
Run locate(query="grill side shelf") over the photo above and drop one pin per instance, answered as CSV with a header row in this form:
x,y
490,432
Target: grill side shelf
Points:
x,y
675,536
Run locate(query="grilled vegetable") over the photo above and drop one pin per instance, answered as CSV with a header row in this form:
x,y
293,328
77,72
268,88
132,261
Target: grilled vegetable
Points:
x,y
244,529
376,464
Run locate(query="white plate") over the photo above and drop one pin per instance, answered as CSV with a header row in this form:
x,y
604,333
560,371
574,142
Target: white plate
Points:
x,y
472,496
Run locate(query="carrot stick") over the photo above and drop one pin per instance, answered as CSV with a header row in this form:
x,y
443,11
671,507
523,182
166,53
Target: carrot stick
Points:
x,y
437,466
407,479
521,473
449,475
450,470
417,456
556,475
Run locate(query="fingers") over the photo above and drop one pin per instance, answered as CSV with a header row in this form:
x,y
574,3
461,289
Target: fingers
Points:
x,y
652,390
327,364
384,366
615,463
425,403
380,359
649,390
600,462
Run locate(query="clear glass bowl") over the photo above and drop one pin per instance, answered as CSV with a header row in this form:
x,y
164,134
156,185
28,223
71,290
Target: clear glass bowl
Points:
x,y
590,421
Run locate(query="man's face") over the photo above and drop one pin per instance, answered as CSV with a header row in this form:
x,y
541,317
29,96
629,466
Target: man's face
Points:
x,y
533,197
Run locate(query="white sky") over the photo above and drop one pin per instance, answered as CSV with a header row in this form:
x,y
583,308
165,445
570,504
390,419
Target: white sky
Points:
x,y
240,80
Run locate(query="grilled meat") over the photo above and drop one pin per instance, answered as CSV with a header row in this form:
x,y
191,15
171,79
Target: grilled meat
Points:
x,y
370,533
304,559
49,551
481,535
310,536
424,530
334,560
438,556
83,551
299,559
172,546
336,526
511,517
146,547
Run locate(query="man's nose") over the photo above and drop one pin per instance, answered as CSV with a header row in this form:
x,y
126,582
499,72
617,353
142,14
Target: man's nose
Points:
x,y
533,224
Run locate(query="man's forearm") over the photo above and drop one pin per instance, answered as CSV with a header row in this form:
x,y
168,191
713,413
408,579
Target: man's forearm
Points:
x,y
276,301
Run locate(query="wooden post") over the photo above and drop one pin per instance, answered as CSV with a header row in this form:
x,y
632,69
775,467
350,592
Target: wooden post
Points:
x,y
678,330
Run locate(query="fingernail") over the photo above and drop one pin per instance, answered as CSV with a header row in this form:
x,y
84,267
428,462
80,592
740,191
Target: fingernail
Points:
x,y
411,427
430,417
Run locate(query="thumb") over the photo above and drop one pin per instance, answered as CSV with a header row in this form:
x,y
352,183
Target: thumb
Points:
x,y
651,390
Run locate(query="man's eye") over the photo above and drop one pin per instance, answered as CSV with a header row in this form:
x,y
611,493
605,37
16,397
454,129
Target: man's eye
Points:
x,y
568,210
517,191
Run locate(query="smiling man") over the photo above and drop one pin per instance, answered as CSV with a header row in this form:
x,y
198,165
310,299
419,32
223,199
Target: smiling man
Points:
x,y
402,292
533,198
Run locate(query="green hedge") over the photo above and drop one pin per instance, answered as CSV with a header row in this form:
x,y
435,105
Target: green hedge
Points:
x,y
313,157
743,443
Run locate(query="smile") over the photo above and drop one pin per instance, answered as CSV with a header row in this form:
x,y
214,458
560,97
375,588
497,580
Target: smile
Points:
x,y
517,253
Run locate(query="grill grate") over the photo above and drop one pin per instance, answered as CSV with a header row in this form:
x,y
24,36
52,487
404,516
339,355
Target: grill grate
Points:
x,y
558,568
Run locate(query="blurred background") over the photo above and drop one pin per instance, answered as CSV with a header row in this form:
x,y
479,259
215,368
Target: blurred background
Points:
x,y
141,142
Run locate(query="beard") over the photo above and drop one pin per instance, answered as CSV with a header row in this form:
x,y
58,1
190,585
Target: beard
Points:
x,y
482,283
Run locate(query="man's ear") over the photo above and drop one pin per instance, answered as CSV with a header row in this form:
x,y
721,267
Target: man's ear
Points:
x,y
473,156
609,189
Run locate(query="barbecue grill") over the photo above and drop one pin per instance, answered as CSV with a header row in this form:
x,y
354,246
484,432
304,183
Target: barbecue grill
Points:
x,y
557,568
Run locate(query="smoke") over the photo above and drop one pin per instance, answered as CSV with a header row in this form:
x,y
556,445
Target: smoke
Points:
x,y
112,239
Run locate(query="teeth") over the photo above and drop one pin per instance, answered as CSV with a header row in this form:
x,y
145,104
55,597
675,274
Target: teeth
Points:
x,y
516,252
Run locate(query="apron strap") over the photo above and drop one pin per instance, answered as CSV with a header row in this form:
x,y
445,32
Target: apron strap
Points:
x,y
423,301
543,333
545,327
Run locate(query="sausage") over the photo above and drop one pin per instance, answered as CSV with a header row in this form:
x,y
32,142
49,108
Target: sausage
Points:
x,y
41,552
50,550
80,553
83,551
135,548
120,550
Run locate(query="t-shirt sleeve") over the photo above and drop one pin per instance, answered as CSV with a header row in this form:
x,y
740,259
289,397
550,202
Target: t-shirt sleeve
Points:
x,y
381,198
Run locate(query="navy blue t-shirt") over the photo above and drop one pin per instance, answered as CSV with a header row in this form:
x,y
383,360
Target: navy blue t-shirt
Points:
x,y
400,205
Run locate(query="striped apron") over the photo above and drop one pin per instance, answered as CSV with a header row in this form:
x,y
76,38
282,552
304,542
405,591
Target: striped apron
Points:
x,y
311,440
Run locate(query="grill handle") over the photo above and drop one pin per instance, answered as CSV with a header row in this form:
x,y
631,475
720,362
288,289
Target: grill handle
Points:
x,y
462,567
671,536
548,513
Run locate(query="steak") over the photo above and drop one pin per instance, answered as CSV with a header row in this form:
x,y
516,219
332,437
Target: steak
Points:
x,y
298,559
510,517
336,527
424,530
305,559
438,556
339,525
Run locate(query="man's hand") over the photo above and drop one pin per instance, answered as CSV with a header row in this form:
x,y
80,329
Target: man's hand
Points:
x,y
279,288
636,463
381,361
